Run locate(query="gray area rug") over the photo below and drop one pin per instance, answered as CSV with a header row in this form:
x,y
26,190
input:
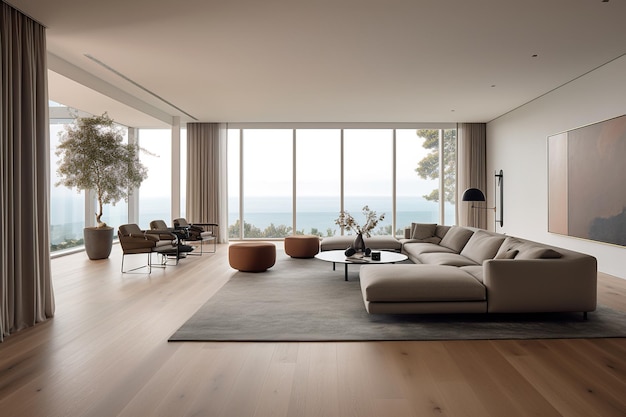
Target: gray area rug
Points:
x,y
305,300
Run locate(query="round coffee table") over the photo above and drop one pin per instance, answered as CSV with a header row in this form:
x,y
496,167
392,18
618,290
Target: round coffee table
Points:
x,y
338,256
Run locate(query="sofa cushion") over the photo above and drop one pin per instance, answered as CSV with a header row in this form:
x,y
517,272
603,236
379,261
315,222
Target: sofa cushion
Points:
x,y
417,248
441,231
374,242
418,283
475,270
533,251
451,259
434,240
456,238
510,254
508,244
421,231
481,246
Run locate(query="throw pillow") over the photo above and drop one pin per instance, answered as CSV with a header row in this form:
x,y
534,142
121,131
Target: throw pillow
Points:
x,y
456,238
530,251
509,254
441,231
481,246
422,230
508,244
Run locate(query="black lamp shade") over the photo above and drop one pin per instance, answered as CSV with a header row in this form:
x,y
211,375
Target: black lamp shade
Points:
x,y
473,194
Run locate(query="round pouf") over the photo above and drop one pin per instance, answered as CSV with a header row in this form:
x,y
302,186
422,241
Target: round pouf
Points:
x,y
302,246
252,256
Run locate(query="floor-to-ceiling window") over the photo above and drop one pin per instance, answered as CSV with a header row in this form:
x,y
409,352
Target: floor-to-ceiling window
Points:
x,y
234,185
368,175
285,181
423,177
67,206
183,172
318,193
292,180
155,192
71,211
267,182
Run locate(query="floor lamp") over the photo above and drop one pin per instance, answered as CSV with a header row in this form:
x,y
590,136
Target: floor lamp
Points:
x,y
474,194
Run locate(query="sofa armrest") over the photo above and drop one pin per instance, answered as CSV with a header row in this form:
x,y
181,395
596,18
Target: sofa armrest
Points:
x,y
541,285
162,234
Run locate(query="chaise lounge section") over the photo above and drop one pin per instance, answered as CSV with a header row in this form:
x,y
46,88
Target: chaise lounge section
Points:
x,y
465,270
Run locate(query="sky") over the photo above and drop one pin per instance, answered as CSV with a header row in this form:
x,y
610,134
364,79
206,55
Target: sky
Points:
x,y
368,162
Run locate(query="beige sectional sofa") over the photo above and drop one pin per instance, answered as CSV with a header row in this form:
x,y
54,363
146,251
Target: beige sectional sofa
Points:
x,y
466,270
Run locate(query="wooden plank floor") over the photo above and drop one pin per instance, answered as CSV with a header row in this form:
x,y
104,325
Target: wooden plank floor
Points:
x,y
106,354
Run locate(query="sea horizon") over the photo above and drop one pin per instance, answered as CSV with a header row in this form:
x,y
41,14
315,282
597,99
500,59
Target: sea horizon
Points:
x,y
312,212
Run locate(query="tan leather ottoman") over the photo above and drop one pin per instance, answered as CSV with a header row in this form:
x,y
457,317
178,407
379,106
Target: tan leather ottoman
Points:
x,y
252,256
302,246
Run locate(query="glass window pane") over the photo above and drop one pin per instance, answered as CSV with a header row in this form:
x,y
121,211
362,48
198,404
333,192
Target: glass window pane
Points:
x,y
449,156
155,194
233,183
368,179
368,169
67,206
267,183
183,172
318,187
417,173
116,214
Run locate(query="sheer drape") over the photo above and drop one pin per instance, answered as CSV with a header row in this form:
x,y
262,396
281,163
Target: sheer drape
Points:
x,y
26,295
472,172
206,175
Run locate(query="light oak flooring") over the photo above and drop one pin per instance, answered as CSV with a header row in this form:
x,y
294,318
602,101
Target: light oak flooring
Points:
x,y
106,354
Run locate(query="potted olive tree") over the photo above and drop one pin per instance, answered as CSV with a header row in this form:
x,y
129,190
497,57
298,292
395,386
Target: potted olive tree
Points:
x,y
93,156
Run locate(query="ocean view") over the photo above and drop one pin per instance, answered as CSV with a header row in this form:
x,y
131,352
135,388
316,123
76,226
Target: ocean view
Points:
x,y
313,213
320,212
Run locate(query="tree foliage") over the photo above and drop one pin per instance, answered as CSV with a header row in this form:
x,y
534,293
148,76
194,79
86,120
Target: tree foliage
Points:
x,y
92,156
428,167
251,231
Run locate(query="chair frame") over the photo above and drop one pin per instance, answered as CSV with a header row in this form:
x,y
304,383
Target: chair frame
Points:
x,y
214,229
168,231
148,249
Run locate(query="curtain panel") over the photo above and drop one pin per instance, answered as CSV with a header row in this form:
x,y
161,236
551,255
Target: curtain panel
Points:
x,y
26,294
472,172
207,190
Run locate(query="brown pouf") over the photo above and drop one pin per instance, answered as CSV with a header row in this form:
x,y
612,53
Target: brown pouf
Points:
x,y
302,246
252,256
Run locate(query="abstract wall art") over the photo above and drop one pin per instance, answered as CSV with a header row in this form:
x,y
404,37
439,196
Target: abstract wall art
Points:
x,y
587,182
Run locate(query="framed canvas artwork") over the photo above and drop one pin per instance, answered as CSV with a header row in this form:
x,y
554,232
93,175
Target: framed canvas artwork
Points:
x,y
587,182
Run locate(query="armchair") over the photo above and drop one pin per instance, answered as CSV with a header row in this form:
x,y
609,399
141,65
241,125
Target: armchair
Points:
x,y
198,232
159,228
135,241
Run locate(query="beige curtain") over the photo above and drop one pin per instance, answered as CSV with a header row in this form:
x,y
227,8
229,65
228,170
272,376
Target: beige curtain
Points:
x,y
471,172
26,295
206,176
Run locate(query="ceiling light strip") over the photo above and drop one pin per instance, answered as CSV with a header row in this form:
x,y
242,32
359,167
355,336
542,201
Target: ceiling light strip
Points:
x,y
119,74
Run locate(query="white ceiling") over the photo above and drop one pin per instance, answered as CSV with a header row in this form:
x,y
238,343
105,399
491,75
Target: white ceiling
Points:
x,y
321,60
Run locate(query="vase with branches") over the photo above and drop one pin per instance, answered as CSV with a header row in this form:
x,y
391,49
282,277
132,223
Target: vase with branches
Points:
x,y
347,222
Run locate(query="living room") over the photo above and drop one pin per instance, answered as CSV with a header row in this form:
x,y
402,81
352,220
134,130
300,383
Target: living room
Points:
x,y
105,351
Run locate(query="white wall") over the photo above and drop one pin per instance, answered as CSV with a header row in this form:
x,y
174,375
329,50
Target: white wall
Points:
x,y
517,144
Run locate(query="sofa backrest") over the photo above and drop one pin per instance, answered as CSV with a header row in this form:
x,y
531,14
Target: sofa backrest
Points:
x,y
456,238
481,246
